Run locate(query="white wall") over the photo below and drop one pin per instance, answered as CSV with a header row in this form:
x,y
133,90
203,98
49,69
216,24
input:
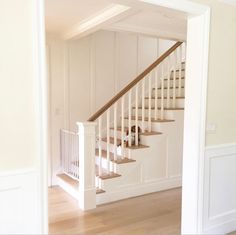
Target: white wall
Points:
x,y
20,196
86,73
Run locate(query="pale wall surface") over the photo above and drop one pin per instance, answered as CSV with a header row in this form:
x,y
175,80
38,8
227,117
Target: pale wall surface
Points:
x,y
17,114
221,108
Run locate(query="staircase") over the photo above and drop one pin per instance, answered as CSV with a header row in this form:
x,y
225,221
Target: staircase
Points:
x,y
138,138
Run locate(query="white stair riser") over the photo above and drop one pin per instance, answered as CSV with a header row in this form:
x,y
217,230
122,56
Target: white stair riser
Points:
x,y
176,82
171,92
104,163
179,103
168,114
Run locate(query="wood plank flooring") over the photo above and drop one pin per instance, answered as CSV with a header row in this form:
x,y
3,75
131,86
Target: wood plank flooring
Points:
x,y
153,214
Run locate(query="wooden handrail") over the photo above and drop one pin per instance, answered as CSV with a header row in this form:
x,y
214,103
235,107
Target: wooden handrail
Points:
x,y
133,83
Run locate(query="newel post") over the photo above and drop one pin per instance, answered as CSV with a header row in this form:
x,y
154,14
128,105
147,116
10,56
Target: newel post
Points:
x,y
87,188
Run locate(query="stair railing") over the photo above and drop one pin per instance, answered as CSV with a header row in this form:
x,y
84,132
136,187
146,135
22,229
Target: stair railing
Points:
x,y
149,85
111,126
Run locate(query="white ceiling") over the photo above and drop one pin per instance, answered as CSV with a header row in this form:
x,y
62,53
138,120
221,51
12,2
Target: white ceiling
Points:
x,y
63,15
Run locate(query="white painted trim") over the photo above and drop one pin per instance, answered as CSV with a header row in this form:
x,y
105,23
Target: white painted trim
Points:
x,y
179,5
195,111
22,213
41,109
94,23
122,27
138,190
194,213
225,222
92,74
230,2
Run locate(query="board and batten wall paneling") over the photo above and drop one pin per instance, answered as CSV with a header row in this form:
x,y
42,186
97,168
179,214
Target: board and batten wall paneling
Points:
x,y
220,189
20,202
104,66
86,73
79,81
56,50
127,62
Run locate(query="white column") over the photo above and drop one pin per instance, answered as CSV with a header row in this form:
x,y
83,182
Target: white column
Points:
x,y
87,188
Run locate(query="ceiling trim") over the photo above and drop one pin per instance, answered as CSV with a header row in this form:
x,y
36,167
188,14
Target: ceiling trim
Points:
x,y
109,15
230,2
145,31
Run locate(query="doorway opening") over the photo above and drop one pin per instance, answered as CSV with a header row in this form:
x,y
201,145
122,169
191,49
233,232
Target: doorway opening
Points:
x,y
198,22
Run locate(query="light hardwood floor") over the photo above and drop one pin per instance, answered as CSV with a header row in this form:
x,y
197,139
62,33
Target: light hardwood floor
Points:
x,y
153,214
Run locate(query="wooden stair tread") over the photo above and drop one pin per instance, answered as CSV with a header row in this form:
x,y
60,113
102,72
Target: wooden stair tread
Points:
x,y
104,174
153,108
124,161
119,128
152,119
112,140
140,146
109,175
165,88
119,159
99,191
151,133
177,78
73,182
178,97
177,70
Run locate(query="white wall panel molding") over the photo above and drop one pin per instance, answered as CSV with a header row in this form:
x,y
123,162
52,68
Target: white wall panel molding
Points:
x,y
220,189
20,202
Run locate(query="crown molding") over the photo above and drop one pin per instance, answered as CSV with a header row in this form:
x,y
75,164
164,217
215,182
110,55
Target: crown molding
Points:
x,y
109,15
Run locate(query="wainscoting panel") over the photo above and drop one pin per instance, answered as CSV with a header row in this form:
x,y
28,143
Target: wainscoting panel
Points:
x,y
19,203
220,189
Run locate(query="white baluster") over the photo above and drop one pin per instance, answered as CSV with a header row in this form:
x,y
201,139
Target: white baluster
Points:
x,y
122,125
156,93
150,103
108,140
130,112
143,105
174,80
100,145
136,115
115,131
180,70
162,90
168,82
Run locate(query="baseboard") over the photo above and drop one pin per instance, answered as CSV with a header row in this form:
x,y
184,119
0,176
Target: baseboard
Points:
x,y
130,191
219,209
20,203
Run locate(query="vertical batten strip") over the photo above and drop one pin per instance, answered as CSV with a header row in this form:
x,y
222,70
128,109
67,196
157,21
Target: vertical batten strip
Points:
x,y
136,115
156,94
180,70
100,145
168,83
130,110
115,132
143,105
122,126
162,90
150,102
108,140
174,80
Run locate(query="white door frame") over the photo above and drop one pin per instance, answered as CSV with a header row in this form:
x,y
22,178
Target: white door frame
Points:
x,y
195,109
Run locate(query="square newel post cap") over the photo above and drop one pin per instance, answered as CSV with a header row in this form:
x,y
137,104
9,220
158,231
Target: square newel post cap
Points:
x,y
86,124
86,127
